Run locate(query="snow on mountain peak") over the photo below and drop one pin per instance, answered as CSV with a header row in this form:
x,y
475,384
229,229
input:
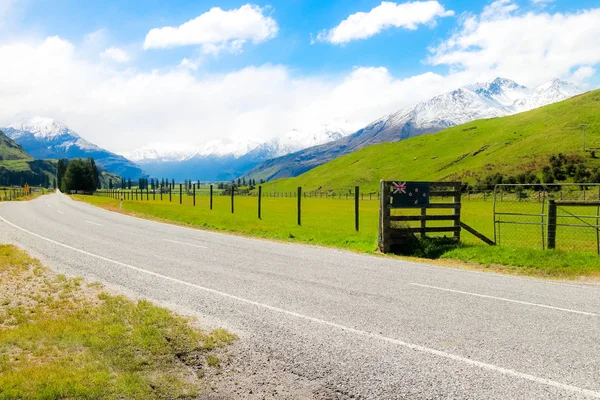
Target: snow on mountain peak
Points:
x,y
42,127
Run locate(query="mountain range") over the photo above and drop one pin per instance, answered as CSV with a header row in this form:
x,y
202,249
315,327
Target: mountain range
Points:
x,y
501,97
296,151
45,138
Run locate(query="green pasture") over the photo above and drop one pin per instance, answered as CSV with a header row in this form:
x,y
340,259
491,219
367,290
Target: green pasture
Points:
x,y
330,222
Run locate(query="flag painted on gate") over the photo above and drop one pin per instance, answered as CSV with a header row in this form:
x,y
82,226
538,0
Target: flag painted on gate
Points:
x,y
410,194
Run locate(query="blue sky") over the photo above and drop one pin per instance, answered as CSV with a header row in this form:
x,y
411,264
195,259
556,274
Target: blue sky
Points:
x,y
259,69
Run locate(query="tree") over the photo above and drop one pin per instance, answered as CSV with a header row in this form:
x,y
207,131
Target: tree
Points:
x,y
61,168
93,174
129,183
80,176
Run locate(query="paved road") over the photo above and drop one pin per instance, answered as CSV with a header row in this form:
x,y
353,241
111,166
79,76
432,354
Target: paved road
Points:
x,y
362,326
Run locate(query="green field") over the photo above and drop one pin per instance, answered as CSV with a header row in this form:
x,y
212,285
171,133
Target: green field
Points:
x,y
330,222
509,145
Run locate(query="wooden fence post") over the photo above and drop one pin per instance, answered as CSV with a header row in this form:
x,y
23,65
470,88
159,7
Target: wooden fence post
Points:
x,y
170,194
384,217
423,222
147,194
180,193
211,196
551,224
356,219
232,194
259,201
299,206
194,193
457,210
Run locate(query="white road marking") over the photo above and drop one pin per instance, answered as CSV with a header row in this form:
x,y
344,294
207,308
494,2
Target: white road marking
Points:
x,y
48,204
411,346
94,223
187,244
60,212
507,300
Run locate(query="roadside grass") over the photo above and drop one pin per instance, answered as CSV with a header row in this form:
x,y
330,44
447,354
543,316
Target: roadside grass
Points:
x,y
330,222
63,338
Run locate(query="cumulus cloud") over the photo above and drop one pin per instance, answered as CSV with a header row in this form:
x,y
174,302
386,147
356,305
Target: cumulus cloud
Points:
x,y
528,47
127,109
387,15
217,30
115,54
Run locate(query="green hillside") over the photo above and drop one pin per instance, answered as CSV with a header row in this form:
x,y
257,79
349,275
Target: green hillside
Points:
x,y
11,150
508,145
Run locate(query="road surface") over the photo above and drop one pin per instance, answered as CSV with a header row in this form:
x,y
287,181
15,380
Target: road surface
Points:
x,y
359,326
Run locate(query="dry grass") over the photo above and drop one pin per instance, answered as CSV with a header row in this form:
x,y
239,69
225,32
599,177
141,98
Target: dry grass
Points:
x,y
63,338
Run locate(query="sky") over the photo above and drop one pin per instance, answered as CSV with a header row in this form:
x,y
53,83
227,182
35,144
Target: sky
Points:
x,y
177,74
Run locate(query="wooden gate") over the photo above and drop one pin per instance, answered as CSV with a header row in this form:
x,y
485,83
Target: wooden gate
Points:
x,y
417,195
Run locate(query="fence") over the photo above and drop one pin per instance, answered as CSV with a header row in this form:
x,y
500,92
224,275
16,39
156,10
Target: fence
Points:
x,y
15,193
564,216
178,194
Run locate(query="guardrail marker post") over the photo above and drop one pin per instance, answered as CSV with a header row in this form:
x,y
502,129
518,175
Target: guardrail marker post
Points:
x,y
299,206
194,193
180,193
356,210
551,224
259,201
232,192
211,196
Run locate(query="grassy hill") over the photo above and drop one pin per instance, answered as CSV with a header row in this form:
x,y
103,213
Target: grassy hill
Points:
x,y
11,150
509,145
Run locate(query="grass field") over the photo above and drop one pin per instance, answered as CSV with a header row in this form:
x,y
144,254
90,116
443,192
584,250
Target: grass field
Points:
x,y
330,222
62,338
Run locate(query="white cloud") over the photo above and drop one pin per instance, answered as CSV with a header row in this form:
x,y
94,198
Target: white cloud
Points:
x,y
115,54
583,73
527,47
126,109
363,25
217,30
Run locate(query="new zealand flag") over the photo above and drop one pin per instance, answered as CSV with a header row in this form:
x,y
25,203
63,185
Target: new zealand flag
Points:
x,y
410,194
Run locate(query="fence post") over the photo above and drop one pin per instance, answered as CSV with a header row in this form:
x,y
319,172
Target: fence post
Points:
x,y
154,193
194,193
147,194
259,201
170,194
232,192
299,206
423,222
551,224
356,219
161,190
180,193
211,196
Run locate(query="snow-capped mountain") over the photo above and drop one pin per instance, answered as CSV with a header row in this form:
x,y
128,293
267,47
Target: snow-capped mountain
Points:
x,y
227,159
498,98
46,138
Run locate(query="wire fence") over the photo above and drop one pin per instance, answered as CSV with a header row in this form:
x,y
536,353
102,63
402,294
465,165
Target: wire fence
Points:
x,y
516,216
564,216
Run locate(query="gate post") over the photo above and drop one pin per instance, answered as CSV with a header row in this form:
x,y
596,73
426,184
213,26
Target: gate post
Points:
x,y
384,217
551,224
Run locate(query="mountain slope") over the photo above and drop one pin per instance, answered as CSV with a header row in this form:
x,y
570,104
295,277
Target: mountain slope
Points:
x,y
46,138
11,150
498,98
509,145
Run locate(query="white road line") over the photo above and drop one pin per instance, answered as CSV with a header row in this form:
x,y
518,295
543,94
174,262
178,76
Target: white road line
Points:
x,y
48,204
507,300
411,346
60,212
187,244
94,223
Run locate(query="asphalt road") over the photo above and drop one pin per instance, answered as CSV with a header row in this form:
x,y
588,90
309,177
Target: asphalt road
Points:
x,y
361,326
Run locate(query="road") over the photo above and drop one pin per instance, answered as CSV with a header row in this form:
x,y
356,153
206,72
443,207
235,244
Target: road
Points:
x,y
360,326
